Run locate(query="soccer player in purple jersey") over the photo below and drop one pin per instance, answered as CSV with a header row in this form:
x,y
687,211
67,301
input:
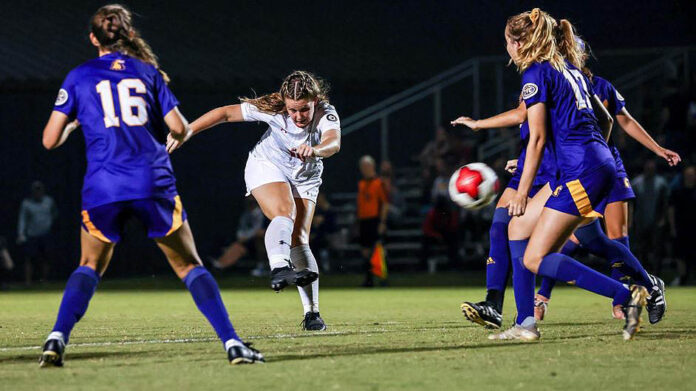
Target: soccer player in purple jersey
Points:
x,y
616,212
561,105
122,102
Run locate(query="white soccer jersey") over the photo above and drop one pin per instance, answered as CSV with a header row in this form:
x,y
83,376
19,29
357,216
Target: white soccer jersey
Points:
x,y
283,136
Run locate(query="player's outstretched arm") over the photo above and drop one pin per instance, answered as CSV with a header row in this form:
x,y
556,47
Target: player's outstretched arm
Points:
x,y
603,117
231,113
638,133
509,118
57,130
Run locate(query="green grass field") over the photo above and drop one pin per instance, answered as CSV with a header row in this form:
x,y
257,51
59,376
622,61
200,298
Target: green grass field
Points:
x,y
396,338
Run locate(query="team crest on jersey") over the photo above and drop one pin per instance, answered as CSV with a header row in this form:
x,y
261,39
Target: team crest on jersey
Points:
x,y
619,97
529,90
331,117
490,261
557,191
62,97
627,183
118,65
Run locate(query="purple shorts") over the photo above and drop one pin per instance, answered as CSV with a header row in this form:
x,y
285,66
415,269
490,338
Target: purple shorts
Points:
x,y
515,182
586,196
161,217
621,191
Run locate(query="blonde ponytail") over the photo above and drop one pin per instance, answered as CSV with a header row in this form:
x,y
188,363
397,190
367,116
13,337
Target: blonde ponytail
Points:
x,y
536,33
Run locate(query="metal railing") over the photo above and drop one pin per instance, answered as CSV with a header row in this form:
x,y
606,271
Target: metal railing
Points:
x,y
432,89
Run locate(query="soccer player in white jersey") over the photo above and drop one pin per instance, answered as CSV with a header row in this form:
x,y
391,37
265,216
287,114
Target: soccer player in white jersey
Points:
x,y
283,173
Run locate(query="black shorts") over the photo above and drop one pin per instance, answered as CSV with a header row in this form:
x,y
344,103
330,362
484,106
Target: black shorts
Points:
x,y
369,234
38,246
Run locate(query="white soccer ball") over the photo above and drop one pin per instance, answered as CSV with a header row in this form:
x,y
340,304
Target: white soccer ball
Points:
x,y
473,186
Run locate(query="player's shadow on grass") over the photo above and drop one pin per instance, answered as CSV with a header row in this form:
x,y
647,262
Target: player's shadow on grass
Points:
x,y
565,324
34,357
359,351
662,334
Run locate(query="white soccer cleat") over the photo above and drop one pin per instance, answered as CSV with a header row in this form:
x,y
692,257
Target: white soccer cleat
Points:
x,y
518,332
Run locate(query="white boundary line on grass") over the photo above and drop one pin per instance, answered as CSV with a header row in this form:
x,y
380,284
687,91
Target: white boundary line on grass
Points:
x,y
193,340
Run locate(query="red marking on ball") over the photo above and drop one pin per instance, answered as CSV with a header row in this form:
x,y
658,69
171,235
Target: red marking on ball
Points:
x,y
468,182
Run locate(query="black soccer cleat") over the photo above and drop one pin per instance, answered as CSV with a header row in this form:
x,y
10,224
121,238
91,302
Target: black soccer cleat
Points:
x,y
305,277
313,322
284,276
52,355
243,353
482,313
657,304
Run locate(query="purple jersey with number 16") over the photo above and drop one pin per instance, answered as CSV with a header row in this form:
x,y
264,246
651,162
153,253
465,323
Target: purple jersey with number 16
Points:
x,y
120,102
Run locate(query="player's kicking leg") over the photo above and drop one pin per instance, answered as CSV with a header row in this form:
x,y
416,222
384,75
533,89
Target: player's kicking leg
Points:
x,y
79,289
303,259
180,249
278,205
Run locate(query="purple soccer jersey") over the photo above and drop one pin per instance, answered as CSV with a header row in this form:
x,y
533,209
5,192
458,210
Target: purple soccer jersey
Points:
x,y
120,102
572,133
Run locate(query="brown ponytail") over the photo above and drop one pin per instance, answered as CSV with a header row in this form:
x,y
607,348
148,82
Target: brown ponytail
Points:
x,y
112,26
536,33
298,85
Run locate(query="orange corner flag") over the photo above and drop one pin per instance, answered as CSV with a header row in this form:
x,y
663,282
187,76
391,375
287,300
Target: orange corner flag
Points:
x,y
379,262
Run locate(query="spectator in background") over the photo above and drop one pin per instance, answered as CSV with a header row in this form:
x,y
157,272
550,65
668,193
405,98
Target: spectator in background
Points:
x,y
250,240
682,214
6,264
324,226
650,213
36,216
440,228
397,202
438,148
372,208
441,183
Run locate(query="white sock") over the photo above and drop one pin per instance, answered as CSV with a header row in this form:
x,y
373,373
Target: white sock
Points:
x,y
278,239
232,342
303,258
56,335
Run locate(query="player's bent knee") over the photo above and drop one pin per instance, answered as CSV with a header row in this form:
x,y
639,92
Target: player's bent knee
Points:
x,y
531,262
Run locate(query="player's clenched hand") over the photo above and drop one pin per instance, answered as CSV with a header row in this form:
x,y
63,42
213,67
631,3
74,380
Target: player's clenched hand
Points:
x,y
466,121
672,157
304,152
511,166
517,205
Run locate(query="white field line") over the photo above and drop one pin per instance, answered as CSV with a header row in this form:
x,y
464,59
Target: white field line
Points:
x,y
193,340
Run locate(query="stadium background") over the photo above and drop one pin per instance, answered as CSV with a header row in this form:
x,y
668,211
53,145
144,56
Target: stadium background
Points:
x,y
216,51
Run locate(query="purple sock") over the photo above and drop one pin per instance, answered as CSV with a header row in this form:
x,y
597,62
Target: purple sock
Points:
x,y
564,268
547,284
206,294
78,291
522,281
593,239
498,263
616,272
